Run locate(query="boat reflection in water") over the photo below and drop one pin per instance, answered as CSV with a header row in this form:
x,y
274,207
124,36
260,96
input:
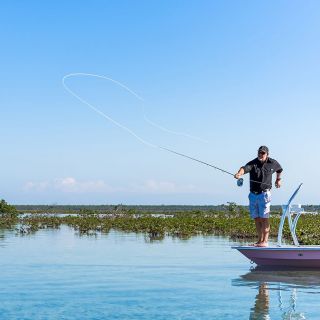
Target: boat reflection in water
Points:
x,y
287,284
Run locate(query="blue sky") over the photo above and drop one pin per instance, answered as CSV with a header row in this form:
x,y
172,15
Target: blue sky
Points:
x,y
238,74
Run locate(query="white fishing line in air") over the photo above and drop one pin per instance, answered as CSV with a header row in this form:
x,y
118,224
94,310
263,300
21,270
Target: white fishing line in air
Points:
x,y
98,111
118,124
127,129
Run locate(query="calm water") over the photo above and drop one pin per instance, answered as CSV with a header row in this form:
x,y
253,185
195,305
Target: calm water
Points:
x,y
55,274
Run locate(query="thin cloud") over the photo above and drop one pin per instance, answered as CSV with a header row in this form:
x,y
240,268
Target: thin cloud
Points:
x,y
70,185
73,185
162,187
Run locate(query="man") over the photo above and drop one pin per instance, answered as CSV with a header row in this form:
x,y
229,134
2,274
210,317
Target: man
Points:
x,y
261,170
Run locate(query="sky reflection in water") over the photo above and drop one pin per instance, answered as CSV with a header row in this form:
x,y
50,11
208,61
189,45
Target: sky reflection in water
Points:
x,y
56,274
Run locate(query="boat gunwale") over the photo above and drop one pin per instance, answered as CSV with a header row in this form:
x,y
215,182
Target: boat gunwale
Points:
x,y
282,248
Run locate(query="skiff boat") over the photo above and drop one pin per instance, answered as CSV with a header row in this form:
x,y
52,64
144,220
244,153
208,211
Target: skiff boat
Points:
x,y
295,255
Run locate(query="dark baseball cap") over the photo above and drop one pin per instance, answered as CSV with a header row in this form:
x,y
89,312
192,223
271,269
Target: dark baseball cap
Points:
x,y
263,149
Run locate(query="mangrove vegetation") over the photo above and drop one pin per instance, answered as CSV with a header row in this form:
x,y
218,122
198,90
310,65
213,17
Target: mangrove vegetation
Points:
x,y
231,220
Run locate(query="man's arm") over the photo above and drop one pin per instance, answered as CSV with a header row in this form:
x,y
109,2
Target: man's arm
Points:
x,y
239,173
278,172
244,169
278,179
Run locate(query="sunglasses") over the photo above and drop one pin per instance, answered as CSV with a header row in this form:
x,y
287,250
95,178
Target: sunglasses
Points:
x,y
261,152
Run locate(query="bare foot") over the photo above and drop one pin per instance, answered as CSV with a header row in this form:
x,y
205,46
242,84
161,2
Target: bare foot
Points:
x,y
254,244
262,244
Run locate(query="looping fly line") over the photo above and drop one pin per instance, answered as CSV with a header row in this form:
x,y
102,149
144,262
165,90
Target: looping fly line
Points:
x,y
131,132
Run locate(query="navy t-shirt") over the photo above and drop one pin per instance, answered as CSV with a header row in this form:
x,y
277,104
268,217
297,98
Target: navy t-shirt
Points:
x,y
261,173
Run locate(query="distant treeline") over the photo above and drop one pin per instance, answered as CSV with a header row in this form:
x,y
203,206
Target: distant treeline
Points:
x,y
140,208
119,207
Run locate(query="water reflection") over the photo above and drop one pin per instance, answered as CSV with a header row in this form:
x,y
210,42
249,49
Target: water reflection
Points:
x,y
286,285
2,237
289,277
260,310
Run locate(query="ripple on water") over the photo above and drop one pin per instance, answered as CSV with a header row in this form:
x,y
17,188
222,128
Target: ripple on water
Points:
x,y
56,274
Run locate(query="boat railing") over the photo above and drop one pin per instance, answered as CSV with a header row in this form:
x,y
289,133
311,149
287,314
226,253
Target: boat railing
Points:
x,y
293,213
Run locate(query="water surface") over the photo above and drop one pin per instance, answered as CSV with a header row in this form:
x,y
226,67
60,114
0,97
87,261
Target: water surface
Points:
x,y
56,274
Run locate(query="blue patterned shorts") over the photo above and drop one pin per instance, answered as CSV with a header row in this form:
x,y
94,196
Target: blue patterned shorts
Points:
x,y
259,204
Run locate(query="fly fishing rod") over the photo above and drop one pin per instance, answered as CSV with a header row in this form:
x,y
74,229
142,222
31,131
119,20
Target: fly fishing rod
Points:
x,y
128,130
239,181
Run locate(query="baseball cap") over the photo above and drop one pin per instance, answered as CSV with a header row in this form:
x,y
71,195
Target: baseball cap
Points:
x,y
263,149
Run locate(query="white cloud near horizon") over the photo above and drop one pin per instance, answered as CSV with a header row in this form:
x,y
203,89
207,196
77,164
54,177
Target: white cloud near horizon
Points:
x,y
69,185
161,187
73,185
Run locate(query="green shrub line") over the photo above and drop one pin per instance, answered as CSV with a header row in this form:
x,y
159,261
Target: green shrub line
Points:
x,y
233,222
237,227
8,215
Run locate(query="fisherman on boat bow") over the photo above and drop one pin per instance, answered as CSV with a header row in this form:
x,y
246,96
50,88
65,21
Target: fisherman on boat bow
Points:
x,y
261,170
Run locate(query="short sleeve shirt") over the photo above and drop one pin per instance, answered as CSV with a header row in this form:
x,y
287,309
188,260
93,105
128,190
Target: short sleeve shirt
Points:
x,y
261,173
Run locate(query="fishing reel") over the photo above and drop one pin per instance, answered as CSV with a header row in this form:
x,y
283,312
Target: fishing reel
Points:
x,y
240,182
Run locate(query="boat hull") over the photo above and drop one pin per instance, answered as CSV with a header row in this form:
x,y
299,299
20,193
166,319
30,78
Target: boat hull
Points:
x,y
305,257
